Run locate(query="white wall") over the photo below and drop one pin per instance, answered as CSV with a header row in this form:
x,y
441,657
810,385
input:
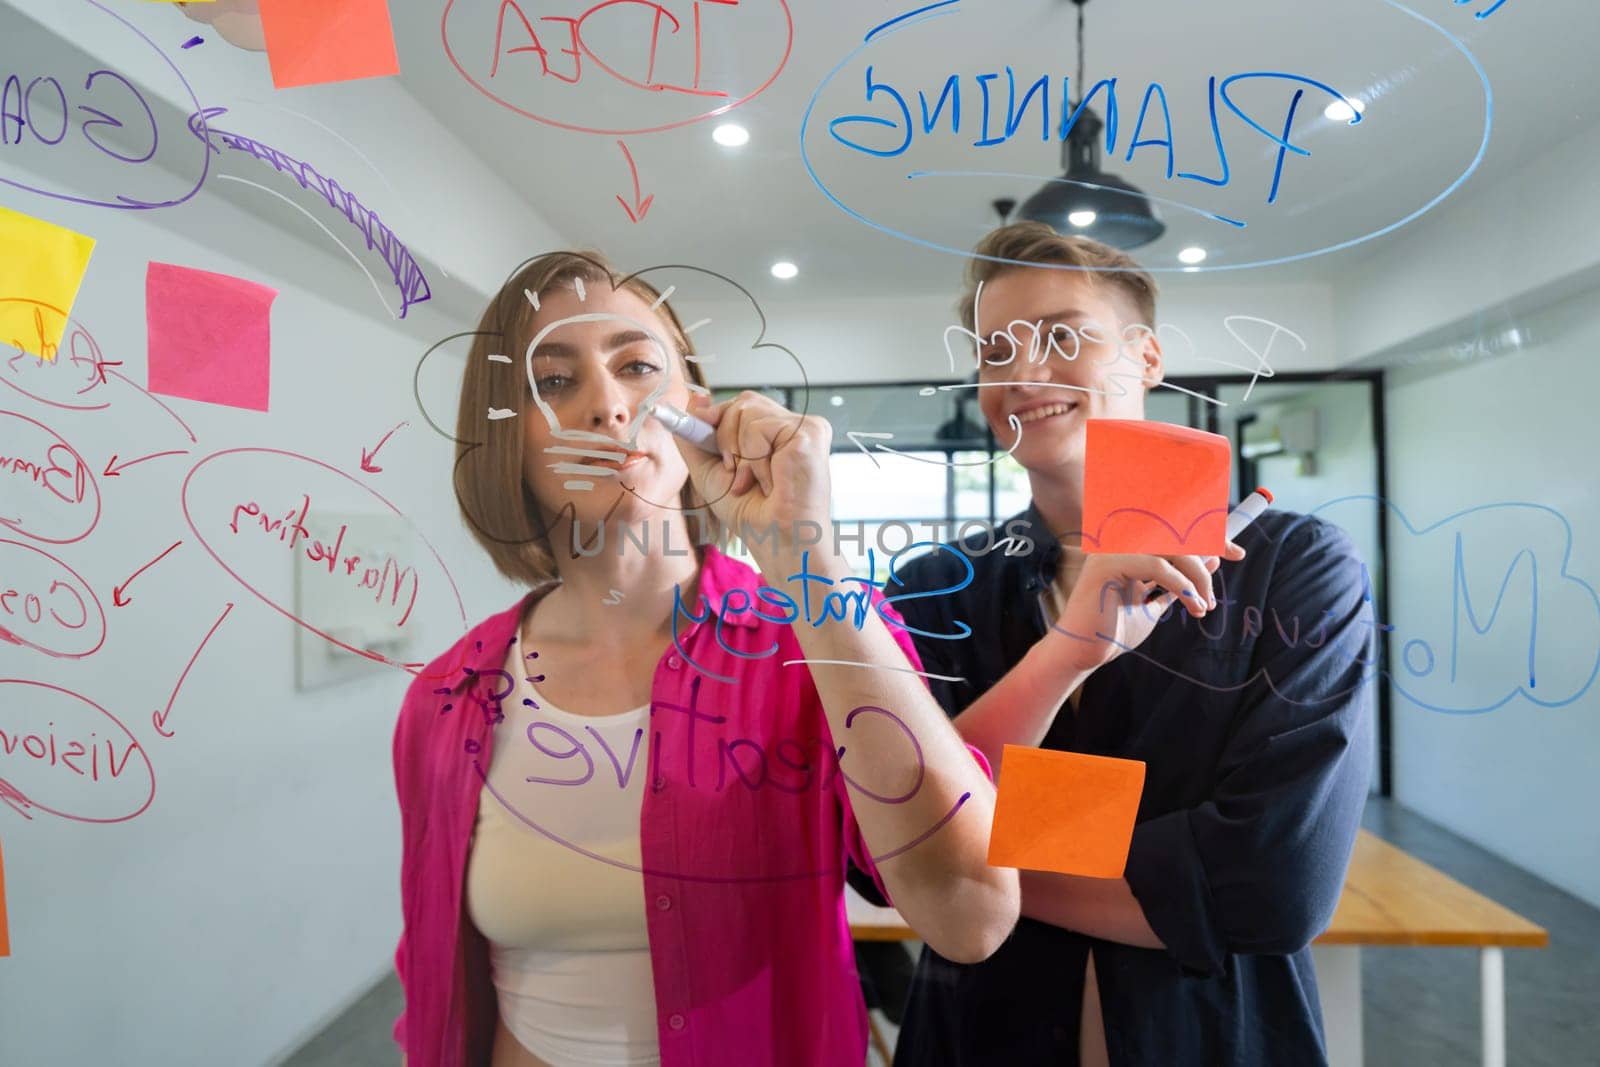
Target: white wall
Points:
x,y
1483,311
1483,248
258,893
1519,779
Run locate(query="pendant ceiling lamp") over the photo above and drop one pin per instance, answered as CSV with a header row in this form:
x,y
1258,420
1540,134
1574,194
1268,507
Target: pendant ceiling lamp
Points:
x,y
1086,199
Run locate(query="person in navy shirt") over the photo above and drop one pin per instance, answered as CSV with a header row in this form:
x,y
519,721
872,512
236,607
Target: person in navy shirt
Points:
x,y
1246,687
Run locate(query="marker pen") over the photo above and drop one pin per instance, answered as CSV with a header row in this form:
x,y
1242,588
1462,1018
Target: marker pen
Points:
x,y
1248,511
691,428
1239,519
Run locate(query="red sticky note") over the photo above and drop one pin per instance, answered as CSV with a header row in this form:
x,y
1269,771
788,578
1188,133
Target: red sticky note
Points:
x,y
5,937
1154,487
210,336
1064,812
314,41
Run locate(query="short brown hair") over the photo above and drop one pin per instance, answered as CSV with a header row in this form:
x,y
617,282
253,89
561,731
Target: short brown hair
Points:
x,y
1012,246
495,499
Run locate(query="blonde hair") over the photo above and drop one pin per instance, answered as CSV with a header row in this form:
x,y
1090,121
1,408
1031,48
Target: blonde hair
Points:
x,y
1014,246
499,506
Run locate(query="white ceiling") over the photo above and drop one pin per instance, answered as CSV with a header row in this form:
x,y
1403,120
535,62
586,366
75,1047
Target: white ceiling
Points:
x,y
738,210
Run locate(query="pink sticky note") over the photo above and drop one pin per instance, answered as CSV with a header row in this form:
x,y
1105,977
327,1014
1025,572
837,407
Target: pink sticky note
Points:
x,y
210,336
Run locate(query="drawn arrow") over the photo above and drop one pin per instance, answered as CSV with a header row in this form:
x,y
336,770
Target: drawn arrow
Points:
x,y
1011,421
367,457
115,469
123,377
855,439
158,719
116,592
640,208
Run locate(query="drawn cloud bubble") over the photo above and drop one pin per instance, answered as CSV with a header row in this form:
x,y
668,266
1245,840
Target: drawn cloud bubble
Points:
x,y
1230,143
725,324
1486,607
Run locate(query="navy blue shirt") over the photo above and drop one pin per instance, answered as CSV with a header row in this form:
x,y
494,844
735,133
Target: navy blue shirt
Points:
x,y
1255,724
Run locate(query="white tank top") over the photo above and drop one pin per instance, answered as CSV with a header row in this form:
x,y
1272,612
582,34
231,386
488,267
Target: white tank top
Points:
x,y
568,948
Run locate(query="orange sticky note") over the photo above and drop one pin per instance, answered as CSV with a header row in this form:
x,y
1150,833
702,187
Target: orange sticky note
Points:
x,y
1154,487
5,938
314,41
1065,812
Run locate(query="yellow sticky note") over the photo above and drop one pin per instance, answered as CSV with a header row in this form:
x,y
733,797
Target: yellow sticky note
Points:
x,y
43,263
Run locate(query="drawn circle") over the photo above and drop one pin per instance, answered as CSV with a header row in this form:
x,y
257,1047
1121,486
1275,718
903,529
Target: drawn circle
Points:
x,y
473,751
444,36
10,794
97,616
72,334
89,485
122,202
905,21
1405,657
363,652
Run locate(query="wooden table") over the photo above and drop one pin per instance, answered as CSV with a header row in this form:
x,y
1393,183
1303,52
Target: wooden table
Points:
x,y
1393,898
1389,898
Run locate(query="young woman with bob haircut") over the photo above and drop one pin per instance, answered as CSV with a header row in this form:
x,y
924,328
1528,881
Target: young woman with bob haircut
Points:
x,y
629,800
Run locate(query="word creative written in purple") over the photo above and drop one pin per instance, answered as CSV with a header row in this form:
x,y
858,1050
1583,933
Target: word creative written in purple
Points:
x,y
408,277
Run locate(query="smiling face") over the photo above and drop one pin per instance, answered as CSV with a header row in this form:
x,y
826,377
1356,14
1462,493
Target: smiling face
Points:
x,y
1059,347
592,364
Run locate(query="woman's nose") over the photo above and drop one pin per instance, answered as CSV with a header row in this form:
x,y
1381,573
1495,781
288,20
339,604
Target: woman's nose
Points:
x,y
609,404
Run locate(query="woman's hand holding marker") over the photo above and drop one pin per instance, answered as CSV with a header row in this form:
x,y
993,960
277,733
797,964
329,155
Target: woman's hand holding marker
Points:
x,y
770,471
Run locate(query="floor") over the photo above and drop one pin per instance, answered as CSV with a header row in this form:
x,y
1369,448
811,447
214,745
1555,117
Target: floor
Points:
x,y
1421,1005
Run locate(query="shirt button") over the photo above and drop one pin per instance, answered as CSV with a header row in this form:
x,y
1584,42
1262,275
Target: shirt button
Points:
x,y
664,902
675,1021
674,663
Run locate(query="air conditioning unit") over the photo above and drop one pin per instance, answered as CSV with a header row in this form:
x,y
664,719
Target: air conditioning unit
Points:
x,y
1291,432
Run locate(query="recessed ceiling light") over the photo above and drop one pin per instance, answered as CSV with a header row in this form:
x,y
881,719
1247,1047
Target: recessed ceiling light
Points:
x,y
1344,110
730,135
836,400
1192,254
1081,219
784,269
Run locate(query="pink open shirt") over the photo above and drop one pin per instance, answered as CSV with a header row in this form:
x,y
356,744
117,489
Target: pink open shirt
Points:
x,y
744,835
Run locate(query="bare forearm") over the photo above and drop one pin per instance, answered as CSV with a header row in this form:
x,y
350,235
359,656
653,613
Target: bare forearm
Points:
x,y
1100,907
908,773
1019,708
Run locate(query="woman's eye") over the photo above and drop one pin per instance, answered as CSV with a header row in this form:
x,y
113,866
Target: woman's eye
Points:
x,y
553,383
641,367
